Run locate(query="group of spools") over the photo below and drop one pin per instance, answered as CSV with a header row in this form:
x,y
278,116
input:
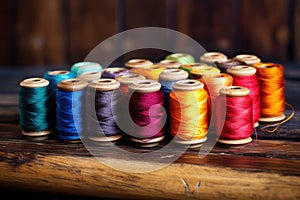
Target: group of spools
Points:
x,y
174,98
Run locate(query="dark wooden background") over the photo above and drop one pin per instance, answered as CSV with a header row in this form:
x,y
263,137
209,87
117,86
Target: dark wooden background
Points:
x,y
61,32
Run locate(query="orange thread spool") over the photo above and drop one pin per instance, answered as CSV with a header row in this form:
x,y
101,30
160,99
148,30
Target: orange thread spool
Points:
x,y
188,112
272,106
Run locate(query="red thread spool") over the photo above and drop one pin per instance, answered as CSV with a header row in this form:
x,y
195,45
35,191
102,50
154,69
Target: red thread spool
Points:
x,y
238,125
245,76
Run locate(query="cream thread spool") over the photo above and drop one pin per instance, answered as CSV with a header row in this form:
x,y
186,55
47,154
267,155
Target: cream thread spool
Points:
x,y
235,91
72,85
244,70
146,86
248,59
104,85
189,85
35,83
169,64
212,57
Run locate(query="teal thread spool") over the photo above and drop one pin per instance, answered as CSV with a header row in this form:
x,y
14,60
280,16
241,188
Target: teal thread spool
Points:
x,y
182,58
34,108
84,67
212,57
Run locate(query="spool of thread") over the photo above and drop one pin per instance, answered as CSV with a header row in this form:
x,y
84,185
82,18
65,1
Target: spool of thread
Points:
x,y
188,113
151,72
126,80
248,59
212,57
189,67
145,107
238,125
182,58
199,72
83,67
69,116
34,108
104,130
245,76
113,72
169,64
54,77
138,63
167,78
223,66
90,76
272,98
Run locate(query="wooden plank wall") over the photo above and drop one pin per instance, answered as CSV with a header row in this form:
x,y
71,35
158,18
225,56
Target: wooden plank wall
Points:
x,y
61,32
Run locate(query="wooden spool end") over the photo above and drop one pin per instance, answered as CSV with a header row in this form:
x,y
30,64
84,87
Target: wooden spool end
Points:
x,y
127,79
106,140
37,135
169,64
105,84
138,63
193,144
34,82
147,143
212,57
72,84
58,72
235,91
173,75
241,70
90,76
248,59
187,85
145,86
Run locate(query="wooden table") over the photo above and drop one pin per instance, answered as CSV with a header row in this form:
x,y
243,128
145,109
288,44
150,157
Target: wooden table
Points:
x,y
270,169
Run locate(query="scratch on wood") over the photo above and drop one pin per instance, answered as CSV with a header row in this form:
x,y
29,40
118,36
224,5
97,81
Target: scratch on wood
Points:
x,y
186,185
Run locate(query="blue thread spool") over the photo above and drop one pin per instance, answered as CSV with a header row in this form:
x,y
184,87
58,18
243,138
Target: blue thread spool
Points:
x,y
34,108
69,101
104,130
84,67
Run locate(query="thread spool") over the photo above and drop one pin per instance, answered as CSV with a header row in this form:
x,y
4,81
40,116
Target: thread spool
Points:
x,y
90,76
54,77
169,64
105,102
34,108
182,58
188,113
212,57
69,120
126,80
199,72
150,90
138,63
245,76
238,125
113,72
83,67
248,59
167,78
272,98
189,67
223,66
151,72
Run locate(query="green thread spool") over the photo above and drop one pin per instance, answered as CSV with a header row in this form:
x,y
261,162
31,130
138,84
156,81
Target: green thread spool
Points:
x,y
34,108
84,67
183,58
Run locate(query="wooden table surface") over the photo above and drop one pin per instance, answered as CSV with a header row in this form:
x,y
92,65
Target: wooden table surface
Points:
x,y
268,169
